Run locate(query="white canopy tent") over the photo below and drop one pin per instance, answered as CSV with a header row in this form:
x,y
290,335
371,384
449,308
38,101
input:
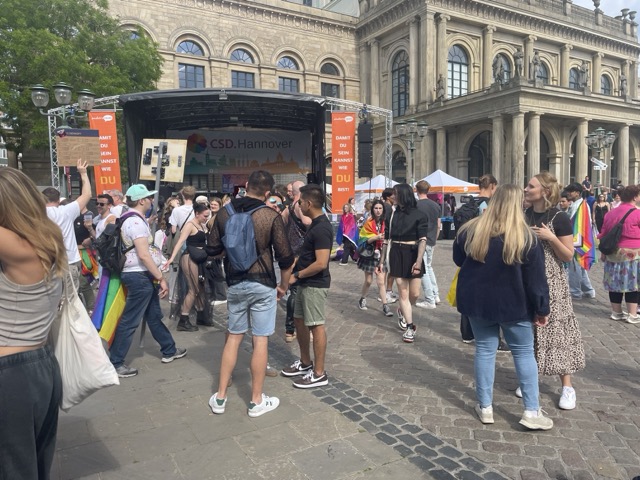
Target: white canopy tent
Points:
x,y
442,182
371,189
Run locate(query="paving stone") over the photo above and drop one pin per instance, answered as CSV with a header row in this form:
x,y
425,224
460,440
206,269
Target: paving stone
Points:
x,y
383,437
411,428
447,463
623,456
430,440
555,469
426,451
628,431
353,416
441,475
360,409
533,475
472,464
403,450
581,475
330,460
421,462
520,461
573,459
498,447
376,419
486,435
408,440
610,439
468,475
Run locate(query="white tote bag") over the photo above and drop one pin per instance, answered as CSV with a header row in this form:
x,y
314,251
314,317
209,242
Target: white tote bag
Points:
x,y
84,365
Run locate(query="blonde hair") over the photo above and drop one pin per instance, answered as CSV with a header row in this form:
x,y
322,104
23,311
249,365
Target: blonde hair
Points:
x,y
28,219
502,218
549,183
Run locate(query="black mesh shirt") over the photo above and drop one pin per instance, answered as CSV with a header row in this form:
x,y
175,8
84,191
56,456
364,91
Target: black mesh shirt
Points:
x,y
271,235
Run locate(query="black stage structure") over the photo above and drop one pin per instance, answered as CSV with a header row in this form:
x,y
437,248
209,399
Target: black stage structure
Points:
x,y
153,114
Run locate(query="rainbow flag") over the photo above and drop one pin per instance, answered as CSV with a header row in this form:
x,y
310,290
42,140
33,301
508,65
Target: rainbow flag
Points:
x,y
368,230
89,265
347,228
584,241
110,301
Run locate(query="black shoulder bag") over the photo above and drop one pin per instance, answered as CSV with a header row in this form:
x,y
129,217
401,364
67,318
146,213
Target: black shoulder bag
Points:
x,y
609,241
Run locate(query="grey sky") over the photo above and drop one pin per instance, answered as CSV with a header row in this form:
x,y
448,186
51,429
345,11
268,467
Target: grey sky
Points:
x,y
610,7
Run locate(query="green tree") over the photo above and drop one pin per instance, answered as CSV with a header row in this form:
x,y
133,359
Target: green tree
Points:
x,y
74,41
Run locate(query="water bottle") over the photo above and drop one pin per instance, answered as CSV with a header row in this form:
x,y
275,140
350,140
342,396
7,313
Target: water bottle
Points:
x,y
88,216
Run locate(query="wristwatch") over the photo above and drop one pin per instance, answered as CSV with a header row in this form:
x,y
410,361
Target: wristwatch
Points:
x,y
296,275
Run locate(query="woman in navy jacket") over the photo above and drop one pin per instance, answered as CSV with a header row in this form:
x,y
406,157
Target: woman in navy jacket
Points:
x,y
502,284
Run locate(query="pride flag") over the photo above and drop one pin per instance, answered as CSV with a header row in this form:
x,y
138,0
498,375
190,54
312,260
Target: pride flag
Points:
x,y
584,241
109,305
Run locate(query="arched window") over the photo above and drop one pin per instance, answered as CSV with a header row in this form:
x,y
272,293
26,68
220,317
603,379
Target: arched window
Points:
x,y
605,85
288,63
400,83
543,73
457,72
505,65
191,48
329,69
574,79
241,55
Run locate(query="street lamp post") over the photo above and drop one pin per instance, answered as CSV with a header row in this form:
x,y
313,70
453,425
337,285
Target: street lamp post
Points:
x,y
412,132
62,93
599,141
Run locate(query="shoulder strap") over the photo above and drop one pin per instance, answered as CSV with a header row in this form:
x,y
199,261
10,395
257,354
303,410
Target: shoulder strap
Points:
x,y
186,219
626,215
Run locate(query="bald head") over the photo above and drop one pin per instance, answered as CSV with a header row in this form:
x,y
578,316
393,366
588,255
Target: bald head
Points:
x,y
296,186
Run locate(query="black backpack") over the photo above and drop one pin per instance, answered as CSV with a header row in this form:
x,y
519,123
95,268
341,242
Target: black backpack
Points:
x,y
110,247
467,211
609,241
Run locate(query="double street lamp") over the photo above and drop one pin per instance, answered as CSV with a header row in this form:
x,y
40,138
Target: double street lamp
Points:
x,y
62,92
599,141
412,132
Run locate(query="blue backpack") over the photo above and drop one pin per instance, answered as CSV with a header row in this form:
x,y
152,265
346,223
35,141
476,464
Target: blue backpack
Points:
x,y
239,239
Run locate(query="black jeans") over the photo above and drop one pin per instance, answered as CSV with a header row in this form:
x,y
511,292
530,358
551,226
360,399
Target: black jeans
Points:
x,y
289,326
31,390
348,250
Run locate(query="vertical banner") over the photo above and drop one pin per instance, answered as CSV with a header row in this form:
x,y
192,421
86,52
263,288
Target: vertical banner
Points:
x,y
343,133
107,175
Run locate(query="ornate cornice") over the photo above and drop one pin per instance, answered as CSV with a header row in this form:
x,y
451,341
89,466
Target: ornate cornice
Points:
x,y
483,12
317,23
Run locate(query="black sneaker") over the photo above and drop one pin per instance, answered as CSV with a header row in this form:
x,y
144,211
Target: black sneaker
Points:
x,y
362,304
387,311
503,347
310,380
180,352
296,368
401,323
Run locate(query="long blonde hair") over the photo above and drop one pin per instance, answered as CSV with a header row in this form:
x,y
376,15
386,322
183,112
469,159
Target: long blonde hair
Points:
x,y
551,189
24,212
502,218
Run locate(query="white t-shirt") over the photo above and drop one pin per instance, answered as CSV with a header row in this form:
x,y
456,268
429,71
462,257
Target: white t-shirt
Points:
x,y
180,215
102,224
64,216
134,227
118,210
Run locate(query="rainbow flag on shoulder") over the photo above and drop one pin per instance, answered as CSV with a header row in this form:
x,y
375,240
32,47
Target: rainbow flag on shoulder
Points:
x,y
584,241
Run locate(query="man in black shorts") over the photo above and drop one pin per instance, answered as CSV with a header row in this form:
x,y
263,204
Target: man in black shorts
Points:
x,y
312,276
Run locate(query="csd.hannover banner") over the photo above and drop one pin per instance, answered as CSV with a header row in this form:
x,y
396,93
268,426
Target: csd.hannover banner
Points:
x,y
343,133
108,173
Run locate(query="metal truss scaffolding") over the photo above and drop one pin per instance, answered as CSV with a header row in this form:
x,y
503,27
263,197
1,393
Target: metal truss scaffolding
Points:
x,y
364,109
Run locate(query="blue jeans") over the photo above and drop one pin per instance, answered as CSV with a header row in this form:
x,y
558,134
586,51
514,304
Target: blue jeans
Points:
x,y
429,284
579,282
252,302
142,300
519,337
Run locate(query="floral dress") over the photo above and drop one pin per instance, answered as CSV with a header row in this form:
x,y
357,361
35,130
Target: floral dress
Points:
x,y
558,345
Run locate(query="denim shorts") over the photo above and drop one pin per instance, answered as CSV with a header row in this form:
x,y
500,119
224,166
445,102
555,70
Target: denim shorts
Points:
x,y
252,303
310,305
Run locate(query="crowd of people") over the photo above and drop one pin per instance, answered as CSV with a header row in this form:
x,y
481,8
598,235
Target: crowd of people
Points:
x,y
275,243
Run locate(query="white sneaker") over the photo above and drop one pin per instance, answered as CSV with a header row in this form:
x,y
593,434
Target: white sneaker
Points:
x,y
485,414
519,392
632,319
567,399
425,304
618,316
217,404
535,420
267,404
391,298
437,300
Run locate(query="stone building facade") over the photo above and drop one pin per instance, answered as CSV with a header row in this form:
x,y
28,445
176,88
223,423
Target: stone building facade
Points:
x,y
508,87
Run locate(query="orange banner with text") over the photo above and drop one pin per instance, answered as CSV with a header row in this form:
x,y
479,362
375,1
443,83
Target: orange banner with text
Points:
x,y
343,142
107,175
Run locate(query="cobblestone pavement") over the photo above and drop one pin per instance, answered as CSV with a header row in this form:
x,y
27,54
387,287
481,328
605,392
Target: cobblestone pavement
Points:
x,y
430,384
391,410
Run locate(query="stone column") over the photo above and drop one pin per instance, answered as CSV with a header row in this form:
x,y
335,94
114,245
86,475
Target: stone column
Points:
x,y
365,87
442,50
528,54
629,74
564,65
375,72
633,81
487,56
425,85
429,143
555,166
533,145
582,151
428,58
622,155
634,170
414,63
497,139
441,149
596,72
463,168
517,149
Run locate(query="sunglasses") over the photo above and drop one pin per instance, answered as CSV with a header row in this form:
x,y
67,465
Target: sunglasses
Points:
x,y
275,201
102,204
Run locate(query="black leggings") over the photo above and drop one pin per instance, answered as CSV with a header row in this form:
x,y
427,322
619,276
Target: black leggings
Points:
x,y
629,297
